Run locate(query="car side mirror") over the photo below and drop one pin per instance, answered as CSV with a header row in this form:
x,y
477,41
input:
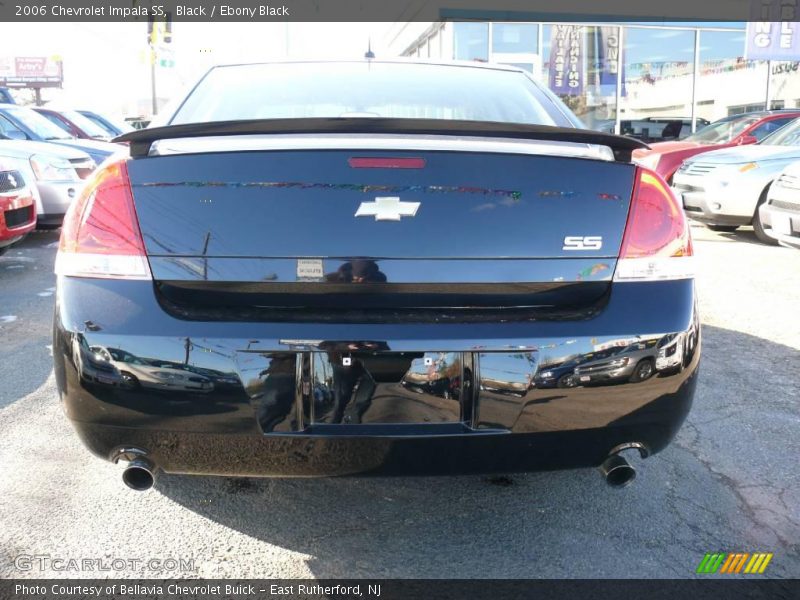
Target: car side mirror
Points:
x,y
16,134
747,139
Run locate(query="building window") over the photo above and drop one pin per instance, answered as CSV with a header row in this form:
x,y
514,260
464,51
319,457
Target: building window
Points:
x,y
746,108
579,64
785,83
725,75
471,41
515,38
658,78
524,66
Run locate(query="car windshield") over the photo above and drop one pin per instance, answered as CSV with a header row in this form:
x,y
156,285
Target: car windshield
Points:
x,y
38,124
722,131
368,89
121,126
788,135
88,126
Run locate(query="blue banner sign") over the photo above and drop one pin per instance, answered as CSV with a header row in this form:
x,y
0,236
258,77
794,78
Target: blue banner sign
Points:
x,y
773,40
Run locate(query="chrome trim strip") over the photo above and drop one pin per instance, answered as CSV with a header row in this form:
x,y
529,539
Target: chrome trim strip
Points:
x,y
245,143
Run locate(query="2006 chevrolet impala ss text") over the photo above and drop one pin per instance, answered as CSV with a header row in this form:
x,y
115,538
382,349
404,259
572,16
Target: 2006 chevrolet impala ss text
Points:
x,y
352,291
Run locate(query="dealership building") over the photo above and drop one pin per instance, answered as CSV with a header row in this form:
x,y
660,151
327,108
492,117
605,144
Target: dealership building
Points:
x,y
613,73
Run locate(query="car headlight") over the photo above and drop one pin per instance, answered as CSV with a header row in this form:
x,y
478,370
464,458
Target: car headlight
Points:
x,y
546,374
619,362
748,167
52,168
650,161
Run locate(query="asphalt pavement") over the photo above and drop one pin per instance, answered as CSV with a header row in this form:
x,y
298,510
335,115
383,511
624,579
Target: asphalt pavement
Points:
x,y
730,482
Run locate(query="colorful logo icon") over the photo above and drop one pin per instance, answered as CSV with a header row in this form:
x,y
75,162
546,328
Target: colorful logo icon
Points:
x,y
734,562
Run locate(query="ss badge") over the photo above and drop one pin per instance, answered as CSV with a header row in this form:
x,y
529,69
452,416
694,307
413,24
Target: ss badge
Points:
x,y
583,242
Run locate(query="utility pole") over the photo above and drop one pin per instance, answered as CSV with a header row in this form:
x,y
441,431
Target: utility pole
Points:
x,y
152,41
153,81
205,255
768,99
156,33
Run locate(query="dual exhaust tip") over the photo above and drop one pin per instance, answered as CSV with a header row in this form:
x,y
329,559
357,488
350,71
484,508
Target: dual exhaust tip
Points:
x,y
140,474
617,471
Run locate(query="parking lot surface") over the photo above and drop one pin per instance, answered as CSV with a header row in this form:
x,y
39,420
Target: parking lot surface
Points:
x,y
728,483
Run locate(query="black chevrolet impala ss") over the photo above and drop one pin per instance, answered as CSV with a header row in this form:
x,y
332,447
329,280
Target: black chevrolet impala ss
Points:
x,y
366,268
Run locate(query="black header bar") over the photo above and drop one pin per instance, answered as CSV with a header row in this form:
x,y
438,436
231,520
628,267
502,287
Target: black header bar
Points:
x,y
398,10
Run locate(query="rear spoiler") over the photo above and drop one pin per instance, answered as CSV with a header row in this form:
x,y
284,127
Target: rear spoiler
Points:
x,y
141,140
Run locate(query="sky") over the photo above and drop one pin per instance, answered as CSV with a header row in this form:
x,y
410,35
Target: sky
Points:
x,y
106,65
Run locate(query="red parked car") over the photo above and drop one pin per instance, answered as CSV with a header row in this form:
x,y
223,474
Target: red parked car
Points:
x,y
736,130
74,123
17,207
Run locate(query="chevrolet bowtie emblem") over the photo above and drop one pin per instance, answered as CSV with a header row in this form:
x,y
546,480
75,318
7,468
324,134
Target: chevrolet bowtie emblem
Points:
x,y
387,209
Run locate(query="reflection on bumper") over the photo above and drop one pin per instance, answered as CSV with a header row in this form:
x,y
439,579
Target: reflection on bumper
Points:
x,y
332,403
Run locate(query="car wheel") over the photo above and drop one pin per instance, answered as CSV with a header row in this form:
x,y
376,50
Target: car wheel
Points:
x,y
644,370
723,228
758,228
566,381
129,380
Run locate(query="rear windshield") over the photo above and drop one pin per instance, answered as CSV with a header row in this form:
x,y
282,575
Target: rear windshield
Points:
x,y
369,89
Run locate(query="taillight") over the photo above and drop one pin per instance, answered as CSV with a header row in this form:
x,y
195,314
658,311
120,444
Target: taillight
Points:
x,y
657,243
100,236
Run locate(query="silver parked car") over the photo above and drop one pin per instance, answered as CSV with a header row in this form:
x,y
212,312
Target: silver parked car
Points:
x,y
58,171
780,214
724,188
635,362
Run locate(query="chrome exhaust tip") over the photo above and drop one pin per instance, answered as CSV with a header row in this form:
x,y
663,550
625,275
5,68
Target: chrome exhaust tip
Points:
x,y
140,475
617,471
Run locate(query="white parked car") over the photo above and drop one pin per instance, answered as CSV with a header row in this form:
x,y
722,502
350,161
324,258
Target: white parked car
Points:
x,y
725,188
139,372
780,214
57,171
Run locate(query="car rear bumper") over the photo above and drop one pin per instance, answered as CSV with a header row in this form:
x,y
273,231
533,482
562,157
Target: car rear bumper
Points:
x,y
496,420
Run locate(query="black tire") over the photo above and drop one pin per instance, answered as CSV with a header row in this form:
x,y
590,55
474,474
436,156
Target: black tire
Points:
x,y
643,371
567,380
758,228
723,228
